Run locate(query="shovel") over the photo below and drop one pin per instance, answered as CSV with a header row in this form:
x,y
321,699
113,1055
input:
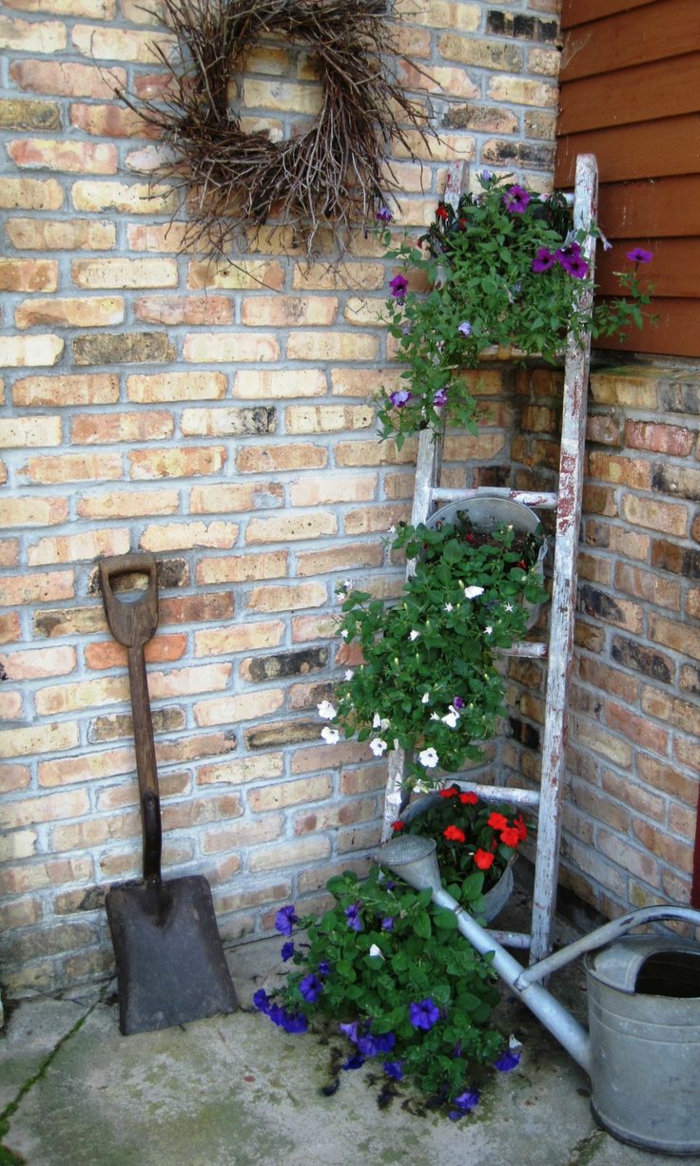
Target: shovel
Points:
x,y
171,967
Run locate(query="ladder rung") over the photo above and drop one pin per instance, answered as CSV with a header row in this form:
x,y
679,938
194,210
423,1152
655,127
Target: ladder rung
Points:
x,y
501,793
545,500
536,650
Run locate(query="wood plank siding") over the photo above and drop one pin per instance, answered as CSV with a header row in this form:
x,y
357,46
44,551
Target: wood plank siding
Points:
x,y
630,94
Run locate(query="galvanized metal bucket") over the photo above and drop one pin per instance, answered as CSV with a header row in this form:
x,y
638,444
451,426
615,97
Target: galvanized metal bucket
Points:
x,y
488,511
644,1026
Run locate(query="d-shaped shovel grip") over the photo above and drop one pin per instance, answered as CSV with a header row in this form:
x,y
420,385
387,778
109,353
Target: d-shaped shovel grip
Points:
x,y
133,623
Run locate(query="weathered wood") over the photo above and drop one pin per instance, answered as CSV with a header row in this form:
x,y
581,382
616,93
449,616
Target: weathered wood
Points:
x,y
561,639
650,32
669,146
674,270
647,92
651,209
575,12
677,333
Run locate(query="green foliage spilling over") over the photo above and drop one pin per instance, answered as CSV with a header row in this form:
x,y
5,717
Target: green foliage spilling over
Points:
x,y
505,269
429,680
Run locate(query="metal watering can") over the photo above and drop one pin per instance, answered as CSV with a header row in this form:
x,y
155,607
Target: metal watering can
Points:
x,y
642,1048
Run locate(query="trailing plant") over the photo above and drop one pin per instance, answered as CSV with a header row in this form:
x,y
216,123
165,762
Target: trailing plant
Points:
x,y
429,682
387,970
505,269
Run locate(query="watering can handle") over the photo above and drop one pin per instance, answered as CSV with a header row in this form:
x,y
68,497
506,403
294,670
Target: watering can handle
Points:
x,y
606,934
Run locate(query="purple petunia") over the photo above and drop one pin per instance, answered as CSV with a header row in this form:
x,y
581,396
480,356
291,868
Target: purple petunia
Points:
x,y
287,951
388,923
311,988
399,287
393,1069
544,260
384,215
424,1015
572,261
458,702
516,199
324,968
351,1030
465,328
400,397
352,914
261,1000
285,919
440,397
508,1060
371,1046
639,255
465,1103
354,1062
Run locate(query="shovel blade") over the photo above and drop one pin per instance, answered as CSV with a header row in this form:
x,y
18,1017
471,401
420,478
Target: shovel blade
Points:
x,y
171,967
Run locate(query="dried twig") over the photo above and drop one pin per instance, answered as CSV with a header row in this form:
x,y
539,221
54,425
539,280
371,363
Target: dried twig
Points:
x,y
334,174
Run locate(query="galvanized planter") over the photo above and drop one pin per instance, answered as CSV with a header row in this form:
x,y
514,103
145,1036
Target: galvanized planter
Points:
x,y
496,898
487,512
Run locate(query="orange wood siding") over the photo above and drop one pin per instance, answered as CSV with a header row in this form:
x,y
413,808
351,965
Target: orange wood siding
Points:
x,y
630,94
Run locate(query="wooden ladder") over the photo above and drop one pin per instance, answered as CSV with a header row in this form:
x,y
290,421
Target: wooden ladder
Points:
x,y
546,801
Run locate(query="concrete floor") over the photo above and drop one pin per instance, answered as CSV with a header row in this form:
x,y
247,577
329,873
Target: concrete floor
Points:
x,y
236,1091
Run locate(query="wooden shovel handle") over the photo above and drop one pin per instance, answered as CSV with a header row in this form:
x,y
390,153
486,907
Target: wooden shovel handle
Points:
x,y
133,624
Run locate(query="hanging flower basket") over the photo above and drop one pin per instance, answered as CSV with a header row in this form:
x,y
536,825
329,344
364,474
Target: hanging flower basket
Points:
x,y
489,512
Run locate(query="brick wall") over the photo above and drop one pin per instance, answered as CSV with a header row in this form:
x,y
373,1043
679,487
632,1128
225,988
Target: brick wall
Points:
x,y
633,764
220,417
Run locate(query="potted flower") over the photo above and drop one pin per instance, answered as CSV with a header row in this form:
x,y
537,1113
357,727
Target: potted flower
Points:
x,y
506,270
381,972
428,681
476,844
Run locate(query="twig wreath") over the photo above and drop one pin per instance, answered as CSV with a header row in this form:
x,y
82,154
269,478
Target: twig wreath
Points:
x,y
333,174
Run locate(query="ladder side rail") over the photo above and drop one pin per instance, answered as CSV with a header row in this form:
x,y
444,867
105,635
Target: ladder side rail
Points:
x,y
564,591
428,461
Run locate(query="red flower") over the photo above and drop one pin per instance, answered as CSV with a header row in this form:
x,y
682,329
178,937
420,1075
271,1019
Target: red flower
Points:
x,y
483,859
497,821
397,825
510,836
441,213
452,792
468,799
454,834
520,827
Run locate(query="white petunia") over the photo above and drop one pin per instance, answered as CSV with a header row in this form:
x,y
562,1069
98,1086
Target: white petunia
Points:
x,y
488,629
425,698
508,607
428,758
326,711
375,950
449,607
378,746
344,633
349,674
450,719
472,592
330,736
380,722
414,635
434,717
